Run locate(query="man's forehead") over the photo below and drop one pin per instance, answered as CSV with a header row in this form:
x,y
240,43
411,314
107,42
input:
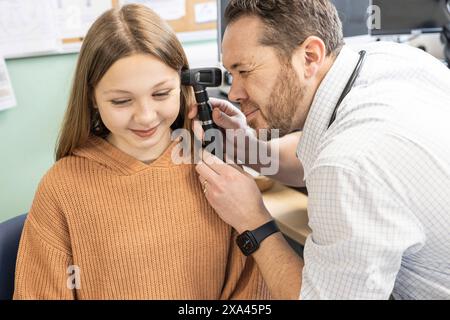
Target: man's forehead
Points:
x,y
248,56
241,41
237,55
247,28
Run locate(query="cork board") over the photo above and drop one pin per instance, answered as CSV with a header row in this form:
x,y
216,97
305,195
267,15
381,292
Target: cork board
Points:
x,y
188,23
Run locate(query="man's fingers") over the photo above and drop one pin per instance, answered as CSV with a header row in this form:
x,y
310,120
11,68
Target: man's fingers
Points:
x,y
202,179
224,106
198,137
238,168
206,173
223,120
220,167
197,129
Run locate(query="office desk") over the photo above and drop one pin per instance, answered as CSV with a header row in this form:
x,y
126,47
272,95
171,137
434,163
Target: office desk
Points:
x,y
288,207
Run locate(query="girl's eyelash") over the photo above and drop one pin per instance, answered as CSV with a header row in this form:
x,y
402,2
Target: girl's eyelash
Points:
x,y
119,102
160,94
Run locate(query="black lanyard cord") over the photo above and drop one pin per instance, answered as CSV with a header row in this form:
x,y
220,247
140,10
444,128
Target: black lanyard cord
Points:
x,y
349,85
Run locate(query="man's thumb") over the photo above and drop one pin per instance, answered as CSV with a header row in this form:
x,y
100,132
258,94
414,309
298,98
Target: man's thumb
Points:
x,y
223,120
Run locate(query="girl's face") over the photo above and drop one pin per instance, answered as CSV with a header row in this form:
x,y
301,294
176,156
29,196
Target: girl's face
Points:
x,y
139,99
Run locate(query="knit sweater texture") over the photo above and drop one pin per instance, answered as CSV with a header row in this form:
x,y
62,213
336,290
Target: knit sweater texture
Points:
x,y
104,225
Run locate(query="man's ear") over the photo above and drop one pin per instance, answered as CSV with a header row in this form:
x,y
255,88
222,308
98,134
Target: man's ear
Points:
x,y
313,53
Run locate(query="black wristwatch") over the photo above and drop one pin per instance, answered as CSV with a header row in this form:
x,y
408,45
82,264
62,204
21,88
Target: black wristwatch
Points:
x,y
249,241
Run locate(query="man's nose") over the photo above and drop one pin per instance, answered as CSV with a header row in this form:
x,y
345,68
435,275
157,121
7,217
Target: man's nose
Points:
x,y
237,92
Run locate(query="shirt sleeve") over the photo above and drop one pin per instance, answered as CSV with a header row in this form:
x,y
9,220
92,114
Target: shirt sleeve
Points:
x,y
360,234
44,261
244,281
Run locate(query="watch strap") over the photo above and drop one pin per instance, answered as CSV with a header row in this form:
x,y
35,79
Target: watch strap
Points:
x,y
265,230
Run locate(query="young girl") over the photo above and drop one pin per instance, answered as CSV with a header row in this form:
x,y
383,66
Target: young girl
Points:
x,y
115,217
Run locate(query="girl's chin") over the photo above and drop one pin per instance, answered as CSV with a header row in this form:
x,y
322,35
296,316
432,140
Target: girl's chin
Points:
x,y
145,142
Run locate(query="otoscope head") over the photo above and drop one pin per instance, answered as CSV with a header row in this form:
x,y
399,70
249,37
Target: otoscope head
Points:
x,y
204,77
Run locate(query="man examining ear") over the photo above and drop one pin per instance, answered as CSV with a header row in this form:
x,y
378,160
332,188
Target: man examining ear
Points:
x,y
374,154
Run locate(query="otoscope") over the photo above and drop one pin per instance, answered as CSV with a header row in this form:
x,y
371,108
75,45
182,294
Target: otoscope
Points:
x,y
200,79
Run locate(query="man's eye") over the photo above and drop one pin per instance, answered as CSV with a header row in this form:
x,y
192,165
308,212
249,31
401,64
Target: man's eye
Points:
x,y
120,102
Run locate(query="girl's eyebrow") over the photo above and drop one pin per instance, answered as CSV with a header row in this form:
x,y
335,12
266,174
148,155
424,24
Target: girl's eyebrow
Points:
x,y
159,84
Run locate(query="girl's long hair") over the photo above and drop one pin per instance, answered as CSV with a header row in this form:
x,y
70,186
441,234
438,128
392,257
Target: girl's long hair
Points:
x,y
118,33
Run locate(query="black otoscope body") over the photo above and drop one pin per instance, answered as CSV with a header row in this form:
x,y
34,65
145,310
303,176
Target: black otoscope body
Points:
x,y
200,79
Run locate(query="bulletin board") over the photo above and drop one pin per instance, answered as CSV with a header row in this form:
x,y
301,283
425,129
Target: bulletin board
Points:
x,y
188,23
46,27
193,26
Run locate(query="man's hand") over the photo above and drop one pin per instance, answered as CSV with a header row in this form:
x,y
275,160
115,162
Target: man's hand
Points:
x,y
225,114
236,198
232,193
227,117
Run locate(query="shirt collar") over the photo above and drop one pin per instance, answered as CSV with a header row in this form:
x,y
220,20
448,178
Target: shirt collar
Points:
x,y
323,105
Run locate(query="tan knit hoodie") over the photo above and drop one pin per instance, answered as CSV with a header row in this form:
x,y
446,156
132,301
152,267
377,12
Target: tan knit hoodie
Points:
x,y
104,225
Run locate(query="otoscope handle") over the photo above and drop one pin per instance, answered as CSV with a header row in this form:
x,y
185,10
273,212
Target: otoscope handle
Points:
x,y
205,116
204,112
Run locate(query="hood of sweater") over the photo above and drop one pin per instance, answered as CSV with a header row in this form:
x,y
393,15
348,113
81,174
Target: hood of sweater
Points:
x,y
99,150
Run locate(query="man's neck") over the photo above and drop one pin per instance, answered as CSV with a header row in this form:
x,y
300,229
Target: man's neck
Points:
x,y
311,91
329,61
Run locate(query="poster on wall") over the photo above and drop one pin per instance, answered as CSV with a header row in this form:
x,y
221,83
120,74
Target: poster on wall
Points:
x,y
33,28
27,27
7,97
166,9
75,17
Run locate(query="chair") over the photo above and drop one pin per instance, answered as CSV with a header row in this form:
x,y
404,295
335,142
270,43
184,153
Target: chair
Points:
x,y
10,232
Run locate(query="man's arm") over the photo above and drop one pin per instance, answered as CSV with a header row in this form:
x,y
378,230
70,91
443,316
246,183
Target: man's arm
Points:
x,y
235,197
280,267
361,233
279,264
290,170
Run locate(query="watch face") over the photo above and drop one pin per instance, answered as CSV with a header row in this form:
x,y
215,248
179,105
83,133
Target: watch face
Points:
x,y
247,242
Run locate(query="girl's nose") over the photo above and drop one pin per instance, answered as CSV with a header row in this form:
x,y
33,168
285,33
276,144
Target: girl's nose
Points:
x,y
145,113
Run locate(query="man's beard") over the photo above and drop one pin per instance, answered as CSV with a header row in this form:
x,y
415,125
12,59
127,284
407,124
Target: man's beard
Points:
x,y
279,113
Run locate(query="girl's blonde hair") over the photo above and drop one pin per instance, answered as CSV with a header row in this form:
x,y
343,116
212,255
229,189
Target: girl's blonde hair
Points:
x,y
118,33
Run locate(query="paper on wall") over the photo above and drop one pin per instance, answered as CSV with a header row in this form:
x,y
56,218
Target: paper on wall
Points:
x,y
27,27
7,97
75,17
166,9
206,12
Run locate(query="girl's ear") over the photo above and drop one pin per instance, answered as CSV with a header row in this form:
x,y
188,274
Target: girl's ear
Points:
x,y
179,121
94,102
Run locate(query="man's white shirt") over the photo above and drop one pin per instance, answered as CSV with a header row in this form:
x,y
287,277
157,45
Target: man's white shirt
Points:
x,y
379,179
